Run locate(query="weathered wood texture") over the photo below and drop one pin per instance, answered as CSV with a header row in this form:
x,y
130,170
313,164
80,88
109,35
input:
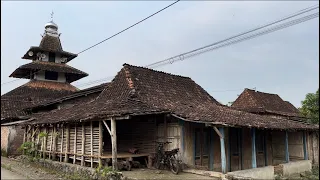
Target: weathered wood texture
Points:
x,y
295,142
65,143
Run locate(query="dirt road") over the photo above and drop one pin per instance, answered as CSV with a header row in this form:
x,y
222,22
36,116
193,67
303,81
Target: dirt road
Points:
x,y
6,174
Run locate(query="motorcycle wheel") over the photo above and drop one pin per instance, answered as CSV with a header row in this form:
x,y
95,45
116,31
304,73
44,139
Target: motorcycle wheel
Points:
x,y
174,166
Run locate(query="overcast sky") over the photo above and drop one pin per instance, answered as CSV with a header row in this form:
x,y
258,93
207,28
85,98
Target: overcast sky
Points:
x,y
285,62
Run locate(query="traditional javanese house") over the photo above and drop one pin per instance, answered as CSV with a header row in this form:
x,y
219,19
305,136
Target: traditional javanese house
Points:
x,y
141,106
50,78
272,105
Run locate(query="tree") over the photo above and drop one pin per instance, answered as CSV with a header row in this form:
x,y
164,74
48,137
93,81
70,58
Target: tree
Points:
x,y
310,107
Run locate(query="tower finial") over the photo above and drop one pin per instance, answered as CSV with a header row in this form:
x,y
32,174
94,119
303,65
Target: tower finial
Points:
x,y
52,15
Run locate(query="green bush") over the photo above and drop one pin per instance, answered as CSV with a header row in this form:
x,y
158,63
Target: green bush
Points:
x,y
4,153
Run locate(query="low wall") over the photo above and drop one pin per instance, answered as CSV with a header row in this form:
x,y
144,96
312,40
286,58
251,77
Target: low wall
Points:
x,y
256,173
296,167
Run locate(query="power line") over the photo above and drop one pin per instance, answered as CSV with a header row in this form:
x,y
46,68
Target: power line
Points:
x,y
110,36
241,34
129,27
279,27
198,51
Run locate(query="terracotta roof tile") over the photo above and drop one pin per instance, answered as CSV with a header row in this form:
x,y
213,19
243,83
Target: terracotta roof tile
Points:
x,y
25,70
258,102
137,90
30,94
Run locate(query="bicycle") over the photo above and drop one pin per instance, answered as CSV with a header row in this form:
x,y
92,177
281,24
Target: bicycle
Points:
x,y
167,158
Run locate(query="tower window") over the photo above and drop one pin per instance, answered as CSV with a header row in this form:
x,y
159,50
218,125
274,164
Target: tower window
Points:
x,y
49,75
52,57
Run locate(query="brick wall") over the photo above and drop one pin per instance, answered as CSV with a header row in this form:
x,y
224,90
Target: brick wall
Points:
x,y
15,139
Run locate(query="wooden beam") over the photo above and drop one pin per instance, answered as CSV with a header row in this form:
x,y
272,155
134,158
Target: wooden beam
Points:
x,y
194,146
217,131
253,144
305,152
83,144
286,145
106,125
223,151
66,156
91,143
114,144
75,144
100,142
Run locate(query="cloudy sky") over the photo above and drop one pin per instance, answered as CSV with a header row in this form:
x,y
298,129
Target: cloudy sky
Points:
x,y
285,62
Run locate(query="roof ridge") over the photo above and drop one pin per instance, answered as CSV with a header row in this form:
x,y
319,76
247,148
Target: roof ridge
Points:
x,y
126,64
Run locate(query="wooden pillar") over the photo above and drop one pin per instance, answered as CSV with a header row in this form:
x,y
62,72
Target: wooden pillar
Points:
x,y
182,135
100,142
114,143
253,143
229,149
25,138
211,167
286,145
66,155
61,149
305,152
223,151
83,144
75,144
265,147
91,143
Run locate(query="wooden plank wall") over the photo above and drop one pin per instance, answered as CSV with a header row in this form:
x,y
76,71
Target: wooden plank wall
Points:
x,y
83,142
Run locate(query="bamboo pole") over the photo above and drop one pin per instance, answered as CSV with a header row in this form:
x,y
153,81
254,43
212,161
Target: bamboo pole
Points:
x,y
51,142
54,142
83,143
75,144
45,143
100,142
61,148
66,156
91,143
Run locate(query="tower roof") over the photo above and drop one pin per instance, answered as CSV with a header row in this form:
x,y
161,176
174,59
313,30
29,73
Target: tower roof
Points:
x,y
26,71
50,42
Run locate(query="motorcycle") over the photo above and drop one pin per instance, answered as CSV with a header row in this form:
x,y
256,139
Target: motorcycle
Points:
x,y
167,158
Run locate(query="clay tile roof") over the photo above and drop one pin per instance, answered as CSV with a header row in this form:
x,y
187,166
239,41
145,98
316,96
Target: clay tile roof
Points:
x,y
51,43
30,94
255,101
137,90
72,74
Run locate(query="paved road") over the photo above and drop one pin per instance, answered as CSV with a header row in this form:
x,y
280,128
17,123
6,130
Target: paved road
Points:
x,y
6,174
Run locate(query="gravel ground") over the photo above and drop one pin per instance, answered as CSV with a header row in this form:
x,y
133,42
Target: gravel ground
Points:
x,y
160,174
28,170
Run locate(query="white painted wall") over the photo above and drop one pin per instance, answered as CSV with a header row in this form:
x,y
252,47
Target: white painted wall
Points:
x,y
57,59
